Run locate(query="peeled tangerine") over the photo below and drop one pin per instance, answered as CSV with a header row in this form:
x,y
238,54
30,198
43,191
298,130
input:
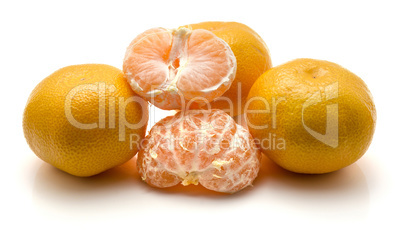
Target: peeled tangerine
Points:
x,y
199,146
179,68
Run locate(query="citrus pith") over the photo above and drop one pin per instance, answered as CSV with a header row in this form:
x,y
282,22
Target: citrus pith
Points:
x,y
199,146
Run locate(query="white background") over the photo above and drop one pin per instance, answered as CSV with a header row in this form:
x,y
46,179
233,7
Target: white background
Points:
x,y
39,37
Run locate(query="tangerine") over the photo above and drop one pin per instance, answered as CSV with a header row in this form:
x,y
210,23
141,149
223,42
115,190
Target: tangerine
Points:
x,y
199,146
175,68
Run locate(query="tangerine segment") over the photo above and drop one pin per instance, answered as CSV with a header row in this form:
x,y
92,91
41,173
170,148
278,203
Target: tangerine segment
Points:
x,y
171,68
199,146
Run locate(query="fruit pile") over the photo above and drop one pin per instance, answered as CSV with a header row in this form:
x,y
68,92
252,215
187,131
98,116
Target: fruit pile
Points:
x,y
308,116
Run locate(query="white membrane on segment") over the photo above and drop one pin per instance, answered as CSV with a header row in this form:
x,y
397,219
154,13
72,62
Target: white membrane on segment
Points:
x,y
173,74
240,144
227,80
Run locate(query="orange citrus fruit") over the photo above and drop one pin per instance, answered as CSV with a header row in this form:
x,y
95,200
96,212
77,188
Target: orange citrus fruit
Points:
x,y
311,116
252,56
173,68
83,119
199,146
